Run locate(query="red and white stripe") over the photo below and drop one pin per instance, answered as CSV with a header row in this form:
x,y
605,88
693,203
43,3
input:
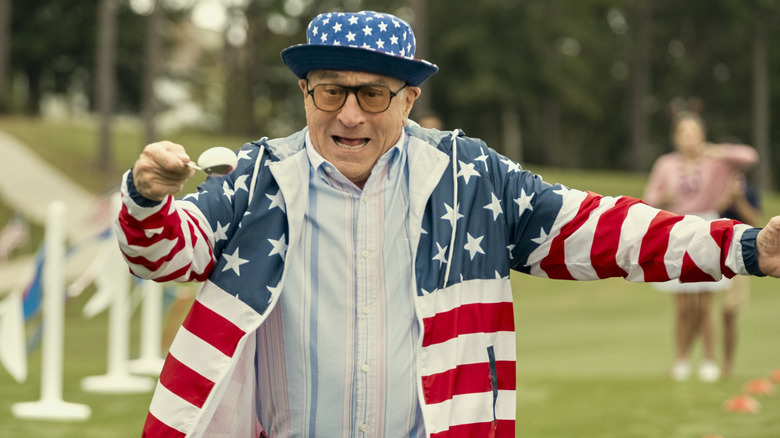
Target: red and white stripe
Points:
x,y
203,352
652,245
165,243
460,323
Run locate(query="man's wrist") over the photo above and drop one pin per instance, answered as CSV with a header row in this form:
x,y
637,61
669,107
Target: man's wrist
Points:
x,y
136,196
750,251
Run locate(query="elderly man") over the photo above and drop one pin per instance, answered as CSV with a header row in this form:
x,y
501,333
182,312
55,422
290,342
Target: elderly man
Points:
x,y
356,273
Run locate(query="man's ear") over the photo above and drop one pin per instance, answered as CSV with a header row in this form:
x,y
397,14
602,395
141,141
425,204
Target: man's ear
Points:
x,y
411,94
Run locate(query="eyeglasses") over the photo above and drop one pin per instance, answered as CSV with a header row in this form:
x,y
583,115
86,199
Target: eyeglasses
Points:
x,y
372,99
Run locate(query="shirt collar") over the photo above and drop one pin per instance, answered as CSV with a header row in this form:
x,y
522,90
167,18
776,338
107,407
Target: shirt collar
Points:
x,y
391,158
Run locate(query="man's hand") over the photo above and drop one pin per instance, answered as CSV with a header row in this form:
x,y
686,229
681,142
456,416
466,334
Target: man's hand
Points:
x,y
161,170
768,245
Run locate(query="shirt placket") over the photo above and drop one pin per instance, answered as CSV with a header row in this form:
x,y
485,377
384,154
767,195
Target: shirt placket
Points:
x,y
363,312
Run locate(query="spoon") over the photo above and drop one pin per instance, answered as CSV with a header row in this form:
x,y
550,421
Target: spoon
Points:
x,y
217,161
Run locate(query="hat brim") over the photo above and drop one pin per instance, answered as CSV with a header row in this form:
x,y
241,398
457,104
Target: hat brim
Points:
x,y
303,58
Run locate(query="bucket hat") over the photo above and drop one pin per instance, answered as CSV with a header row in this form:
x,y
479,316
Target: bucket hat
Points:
x,y
366,41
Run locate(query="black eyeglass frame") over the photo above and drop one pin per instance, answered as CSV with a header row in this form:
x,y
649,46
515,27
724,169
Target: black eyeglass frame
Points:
x,y
353,90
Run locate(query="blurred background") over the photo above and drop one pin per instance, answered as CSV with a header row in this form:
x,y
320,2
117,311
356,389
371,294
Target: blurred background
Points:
x,y
580,91
564,83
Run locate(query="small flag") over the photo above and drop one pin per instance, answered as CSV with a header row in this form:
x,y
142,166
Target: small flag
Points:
x,y
13,349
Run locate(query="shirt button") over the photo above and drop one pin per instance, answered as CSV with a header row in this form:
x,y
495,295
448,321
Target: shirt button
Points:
x,y
363,427
364,253
365,368
366,310
328,169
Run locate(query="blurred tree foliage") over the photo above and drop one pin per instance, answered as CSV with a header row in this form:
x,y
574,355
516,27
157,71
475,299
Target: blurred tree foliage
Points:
x,y
573,83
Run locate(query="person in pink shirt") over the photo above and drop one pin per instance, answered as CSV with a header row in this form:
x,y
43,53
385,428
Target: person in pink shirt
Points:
x,y
693,180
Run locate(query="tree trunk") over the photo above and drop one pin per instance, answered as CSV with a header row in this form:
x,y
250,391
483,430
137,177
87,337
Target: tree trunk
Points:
x,y
106,80
257,34
761,110
424,103
640,85
5,51
513,140
152,71
551,136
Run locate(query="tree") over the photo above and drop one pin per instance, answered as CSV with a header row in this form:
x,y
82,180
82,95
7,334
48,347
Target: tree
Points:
x,y
761,98
106,80
5,47
152,55
640,84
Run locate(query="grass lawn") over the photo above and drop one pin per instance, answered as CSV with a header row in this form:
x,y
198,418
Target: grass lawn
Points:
x,y
592,356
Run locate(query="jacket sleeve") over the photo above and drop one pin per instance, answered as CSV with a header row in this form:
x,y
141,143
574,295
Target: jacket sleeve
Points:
x,y
164,240
564,233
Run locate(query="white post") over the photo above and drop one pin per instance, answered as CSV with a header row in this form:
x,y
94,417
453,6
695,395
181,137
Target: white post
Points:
x,y
150,361
51,406
118,379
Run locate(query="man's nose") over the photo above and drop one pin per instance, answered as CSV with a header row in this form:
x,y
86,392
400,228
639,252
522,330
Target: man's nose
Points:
x,y
351,113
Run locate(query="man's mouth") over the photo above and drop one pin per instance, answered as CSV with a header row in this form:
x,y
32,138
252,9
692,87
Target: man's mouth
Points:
x,y
350,143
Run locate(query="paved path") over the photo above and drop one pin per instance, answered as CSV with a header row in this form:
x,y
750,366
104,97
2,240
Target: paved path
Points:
x,y
28,184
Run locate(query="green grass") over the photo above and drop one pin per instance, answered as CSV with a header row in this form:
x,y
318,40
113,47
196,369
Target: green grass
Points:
x,y
592,356
592,361
85,346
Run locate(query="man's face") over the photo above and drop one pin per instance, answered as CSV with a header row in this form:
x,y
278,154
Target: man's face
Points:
x,y
350,138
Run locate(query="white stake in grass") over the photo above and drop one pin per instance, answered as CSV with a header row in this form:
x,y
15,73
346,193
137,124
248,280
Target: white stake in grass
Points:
x,y
150,361
118,379
51,406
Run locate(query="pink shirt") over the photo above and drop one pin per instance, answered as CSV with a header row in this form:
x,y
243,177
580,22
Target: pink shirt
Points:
x,y
700,190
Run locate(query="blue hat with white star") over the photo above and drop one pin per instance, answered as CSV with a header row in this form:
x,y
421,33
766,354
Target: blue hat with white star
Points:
x,y
366,41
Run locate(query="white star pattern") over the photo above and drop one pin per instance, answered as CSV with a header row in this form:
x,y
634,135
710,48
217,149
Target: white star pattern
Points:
x,y
243,154
279,247
274,291
452,215
511,165
441,255
240,183
227,191
467,171
511,247
221,232
542,237
483,158
277,201
195,195
472,245
363,31
233,261
494,206
524,202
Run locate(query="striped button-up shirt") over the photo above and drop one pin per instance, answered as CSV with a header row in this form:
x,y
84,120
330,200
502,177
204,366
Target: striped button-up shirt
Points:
x,y
336,357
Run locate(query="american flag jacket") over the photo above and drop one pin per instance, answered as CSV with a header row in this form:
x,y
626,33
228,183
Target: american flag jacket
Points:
x,y
474,215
